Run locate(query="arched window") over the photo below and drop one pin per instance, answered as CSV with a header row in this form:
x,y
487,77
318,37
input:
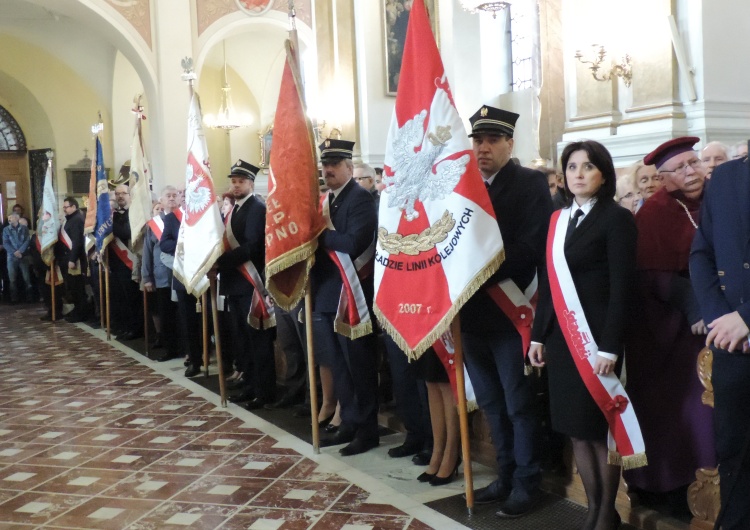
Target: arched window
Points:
x,y
11,135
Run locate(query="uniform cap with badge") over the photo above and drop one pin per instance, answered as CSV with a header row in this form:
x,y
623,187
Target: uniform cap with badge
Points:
x,y
243,169
491,120
332,150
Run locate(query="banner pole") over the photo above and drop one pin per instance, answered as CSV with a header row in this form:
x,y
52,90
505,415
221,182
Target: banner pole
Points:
x,y
101,293
217,337
204,319
53,278
463,415
106,289
311,370
145,321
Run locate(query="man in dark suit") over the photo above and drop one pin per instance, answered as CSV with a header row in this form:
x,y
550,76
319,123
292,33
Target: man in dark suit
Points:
x,y
352,225
494,352
71,256
720,273
188,319
128,306
253,348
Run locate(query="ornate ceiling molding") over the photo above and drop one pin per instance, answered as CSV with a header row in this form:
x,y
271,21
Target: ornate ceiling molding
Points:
x,y
138,14
209,11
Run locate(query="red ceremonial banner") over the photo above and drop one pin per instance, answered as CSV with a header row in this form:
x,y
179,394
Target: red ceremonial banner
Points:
x,y
293,222
438,238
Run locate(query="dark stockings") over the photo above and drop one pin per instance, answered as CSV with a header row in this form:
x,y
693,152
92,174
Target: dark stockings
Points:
x,y
600,481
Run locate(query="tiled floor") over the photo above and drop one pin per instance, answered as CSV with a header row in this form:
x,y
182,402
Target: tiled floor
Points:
x,y
93,435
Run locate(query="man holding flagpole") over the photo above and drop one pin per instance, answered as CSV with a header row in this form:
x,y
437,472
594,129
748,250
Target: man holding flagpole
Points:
x,y
342,291
495,327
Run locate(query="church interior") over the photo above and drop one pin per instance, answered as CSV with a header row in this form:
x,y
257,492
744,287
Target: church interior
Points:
x,y
629,74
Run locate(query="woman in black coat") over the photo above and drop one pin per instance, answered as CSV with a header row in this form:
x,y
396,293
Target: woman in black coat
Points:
x,y
599,250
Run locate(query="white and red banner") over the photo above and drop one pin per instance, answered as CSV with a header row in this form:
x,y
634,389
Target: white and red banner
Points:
x,y
438,239
293,222
625,440
200,242
49,224
140,208
127,256
156,224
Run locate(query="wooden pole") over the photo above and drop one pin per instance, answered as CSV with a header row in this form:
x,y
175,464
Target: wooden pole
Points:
x,y
53,280
145,320
106,291
102,315
204,318
463,415
217,336
311,370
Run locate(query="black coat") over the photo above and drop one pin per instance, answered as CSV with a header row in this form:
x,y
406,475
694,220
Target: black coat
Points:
x,y
248,227
168,243
74,228
522,204
601,257
121,230
354,216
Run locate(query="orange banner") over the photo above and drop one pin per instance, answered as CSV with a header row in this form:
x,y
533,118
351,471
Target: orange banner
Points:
x,y
293,222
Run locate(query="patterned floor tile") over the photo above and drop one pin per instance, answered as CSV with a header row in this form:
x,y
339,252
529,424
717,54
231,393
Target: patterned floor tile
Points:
x,y
257,518
174,515
37,508
223,490
153,486
300,495
105,513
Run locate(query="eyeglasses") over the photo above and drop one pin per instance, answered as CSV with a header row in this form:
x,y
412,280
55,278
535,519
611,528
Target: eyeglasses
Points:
x,y
362,178
682,169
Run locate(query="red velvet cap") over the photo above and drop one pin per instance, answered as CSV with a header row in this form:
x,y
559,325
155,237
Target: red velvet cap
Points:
x,y
659,156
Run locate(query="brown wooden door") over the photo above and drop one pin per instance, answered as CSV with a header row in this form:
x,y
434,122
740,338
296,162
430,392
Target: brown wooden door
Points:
x,y
14,182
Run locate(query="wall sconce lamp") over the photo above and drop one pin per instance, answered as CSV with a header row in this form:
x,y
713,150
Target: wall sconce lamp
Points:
x,y
623,68
319,128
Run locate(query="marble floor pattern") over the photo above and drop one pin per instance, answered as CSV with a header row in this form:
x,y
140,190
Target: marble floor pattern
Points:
x,y
95,436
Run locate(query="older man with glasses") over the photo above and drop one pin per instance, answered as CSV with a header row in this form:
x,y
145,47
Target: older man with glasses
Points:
x,y
364,175
669,332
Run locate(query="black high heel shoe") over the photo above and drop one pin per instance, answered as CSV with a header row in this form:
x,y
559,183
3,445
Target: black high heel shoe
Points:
x,y
442,481
426,477
324,422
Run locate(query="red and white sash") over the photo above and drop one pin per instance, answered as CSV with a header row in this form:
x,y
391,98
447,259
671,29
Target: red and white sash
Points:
x,y
157,226
261,315
178,213
124,253
625,440
519,306
352,317
65,238
446,353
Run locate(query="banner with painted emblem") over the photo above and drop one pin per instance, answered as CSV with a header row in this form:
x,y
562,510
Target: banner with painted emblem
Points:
x,y
293,222
200,242
438,238
139,212
103,231
49,219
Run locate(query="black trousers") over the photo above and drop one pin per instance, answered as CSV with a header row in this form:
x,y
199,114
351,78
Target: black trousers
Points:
x,y
167,311
190,327
253,349
291,341
731,382
126,301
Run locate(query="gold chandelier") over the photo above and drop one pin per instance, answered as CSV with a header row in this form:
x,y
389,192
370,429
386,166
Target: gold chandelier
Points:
x,y
227,118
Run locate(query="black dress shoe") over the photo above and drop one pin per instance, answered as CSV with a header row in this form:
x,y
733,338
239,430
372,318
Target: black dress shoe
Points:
x,y
405,449
285,402
517,504
158,342
343,436
422,458
247,395
164,357
331,428
255,404
359,445
493,492
192,370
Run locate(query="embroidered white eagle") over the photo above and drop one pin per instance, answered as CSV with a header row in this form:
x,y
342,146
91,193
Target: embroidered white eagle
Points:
x,y
413,178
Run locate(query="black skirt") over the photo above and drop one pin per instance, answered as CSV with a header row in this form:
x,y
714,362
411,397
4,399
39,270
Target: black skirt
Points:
x,y
430,368
572,409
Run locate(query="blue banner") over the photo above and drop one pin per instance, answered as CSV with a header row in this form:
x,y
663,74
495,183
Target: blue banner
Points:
x,y
103,230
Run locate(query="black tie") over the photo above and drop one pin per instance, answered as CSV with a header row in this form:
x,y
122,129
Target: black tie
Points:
x,y
573,223
236,207
487,185
331,198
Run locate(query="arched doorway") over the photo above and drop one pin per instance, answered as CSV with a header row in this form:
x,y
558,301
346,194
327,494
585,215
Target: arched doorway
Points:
x,y
15,186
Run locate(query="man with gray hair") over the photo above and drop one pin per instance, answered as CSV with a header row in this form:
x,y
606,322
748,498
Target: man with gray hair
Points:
x,y
714,154
364,175
16,240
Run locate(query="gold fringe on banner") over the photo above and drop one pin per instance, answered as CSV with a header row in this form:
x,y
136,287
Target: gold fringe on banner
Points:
x,y
627,462
444,324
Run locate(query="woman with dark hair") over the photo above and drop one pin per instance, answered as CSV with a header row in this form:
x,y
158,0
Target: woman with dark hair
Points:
x,y
580,326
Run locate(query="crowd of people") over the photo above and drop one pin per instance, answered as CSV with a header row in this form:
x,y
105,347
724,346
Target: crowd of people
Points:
x,y
619,249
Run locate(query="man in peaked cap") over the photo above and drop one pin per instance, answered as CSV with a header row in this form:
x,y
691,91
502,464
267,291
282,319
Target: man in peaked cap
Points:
x,y
720,274
671,332
252,348
352,221
494,351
